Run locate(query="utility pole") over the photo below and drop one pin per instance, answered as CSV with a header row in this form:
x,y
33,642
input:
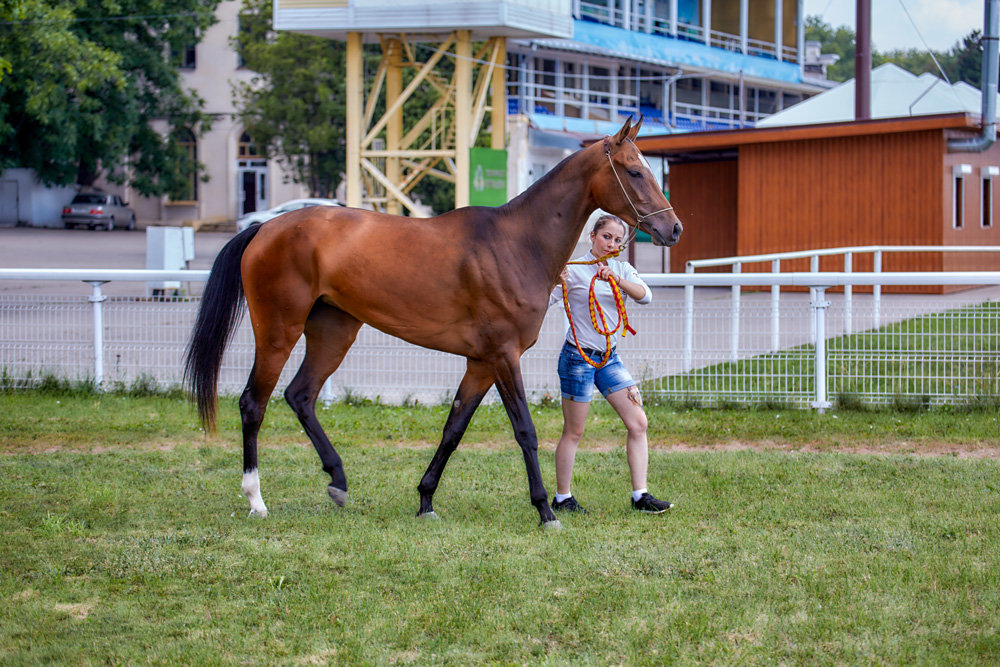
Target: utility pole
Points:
x,y
863,62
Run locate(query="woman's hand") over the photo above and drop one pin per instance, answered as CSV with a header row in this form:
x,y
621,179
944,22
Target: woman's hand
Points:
x,y
563,276
605,273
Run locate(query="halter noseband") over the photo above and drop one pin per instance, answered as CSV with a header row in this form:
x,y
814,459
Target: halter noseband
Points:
x,y
639,219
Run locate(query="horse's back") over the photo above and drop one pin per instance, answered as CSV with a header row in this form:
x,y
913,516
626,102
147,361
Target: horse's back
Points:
x,y
425,280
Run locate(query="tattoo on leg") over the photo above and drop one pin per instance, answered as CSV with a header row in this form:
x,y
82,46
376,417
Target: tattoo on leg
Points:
x,y
634,396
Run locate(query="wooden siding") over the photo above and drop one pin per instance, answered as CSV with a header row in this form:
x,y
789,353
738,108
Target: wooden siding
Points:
x,y
882,189
704,197
882,182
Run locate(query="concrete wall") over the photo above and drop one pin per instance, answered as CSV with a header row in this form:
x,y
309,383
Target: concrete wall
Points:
x,y
26,202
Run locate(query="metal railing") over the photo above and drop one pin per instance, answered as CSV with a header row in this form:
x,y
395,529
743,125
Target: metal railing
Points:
x,y
849,252
720,346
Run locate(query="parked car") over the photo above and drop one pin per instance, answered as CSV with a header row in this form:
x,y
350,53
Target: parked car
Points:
x,y
98,210
258,217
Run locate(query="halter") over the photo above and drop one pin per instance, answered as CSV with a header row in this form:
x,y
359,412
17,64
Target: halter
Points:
x,y
639,219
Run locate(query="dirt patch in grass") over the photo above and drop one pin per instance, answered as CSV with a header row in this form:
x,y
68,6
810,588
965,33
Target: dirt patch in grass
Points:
x,y
971,450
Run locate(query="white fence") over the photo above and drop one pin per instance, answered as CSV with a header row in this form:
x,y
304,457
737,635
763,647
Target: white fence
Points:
x,y
700,341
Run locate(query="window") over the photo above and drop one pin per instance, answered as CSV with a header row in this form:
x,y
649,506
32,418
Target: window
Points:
x,y
247,149
959,173
187,57
986,198
187,146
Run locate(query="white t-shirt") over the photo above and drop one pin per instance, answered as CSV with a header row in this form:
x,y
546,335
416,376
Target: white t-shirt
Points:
x,y
578,287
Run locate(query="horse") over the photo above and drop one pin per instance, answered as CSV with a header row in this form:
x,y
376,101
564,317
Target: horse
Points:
x,y
473,282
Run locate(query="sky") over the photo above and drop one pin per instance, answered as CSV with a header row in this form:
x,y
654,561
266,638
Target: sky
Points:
x,y
941,23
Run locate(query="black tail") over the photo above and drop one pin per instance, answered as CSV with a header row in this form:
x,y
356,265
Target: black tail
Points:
x,y
220,313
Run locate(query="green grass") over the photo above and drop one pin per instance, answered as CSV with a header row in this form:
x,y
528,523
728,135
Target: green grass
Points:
x,y
125,540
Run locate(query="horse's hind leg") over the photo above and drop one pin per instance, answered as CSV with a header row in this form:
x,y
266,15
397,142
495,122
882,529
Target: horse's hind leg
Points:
x,y
330,332
477,381
275,334
253,404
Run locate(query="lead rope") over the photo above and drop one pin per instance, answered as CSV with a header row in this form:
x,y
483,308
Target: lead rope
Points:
x,y
597,311
595,307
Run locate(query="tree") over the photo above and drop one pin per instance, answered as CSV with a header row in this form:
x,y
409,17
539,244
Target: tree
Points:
x,y
961,63
967,60
833,40
87,83
293,108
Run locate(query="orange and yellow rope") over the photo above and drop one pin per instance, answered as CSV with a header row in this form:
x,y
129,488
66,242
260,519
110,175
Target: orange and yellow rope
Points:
x,y
596,311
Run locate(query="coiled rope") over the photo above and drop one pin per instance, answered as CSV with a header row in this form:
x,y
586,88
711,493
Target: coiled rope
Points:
x,y
596,311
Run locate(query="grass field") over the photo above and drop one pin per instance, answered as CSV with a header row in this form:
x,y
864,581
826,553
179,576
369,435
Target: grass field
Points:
x,y
850,537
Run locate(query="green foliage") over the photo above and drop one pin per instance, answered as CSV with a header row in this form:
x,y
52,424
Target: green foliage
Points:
x,y
962,62
294,106
86,83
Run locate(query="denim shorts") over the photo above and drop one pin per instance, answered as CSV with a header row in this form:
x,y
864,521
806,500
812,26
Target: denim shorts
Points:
x,y
577,378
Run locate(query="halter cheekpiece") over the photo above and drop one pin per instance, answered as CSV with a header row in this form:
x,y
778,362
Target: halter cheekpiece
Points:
x,y
639,219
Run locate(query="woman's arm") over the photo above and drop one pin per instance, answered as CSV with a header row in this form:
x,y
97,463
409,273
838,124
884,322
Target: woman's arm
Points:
x,y
635,290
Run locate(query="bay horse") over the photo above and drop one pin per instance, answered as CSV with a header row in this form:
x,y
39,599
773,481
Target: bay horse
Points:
x,y
473,282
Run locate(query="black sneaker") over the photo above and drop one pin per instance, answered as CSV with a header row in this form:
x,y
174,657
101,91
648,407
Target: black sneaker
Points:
x,y
649,504
568,505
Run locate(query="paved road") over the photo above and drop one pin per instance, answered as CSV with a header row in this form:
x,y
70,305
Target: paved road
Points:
x,y
39,248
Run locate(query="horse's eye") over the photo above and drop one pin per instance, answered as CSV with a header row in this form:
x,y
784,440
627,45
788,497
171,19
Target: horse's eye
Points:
x,y
634,173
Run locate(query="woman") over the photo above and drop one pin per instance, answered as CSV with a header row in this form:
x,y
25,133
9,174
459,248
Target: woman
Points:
x,y
577,377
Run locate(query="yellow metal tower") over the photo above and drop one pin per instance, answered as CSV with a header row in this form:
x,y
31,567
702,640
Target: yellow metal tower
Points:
x,y
388,155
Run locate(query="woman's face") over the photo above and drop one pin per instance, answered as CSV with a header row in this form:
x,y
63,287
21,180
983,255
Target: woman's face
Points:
x,y
607,239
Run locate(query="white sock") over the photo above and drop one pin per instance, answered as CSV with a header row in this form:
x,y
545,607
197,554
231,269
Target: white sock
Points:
x,y
638,494
563,496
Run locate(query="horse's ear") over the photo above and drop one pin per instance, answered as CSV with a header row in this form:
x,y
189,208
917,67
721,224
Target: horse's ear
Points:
x,y
635,129
624,132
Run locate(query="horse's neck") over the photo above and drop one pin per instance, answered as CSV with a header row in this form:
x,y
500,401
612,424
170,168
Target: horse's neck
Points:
x,y
552,213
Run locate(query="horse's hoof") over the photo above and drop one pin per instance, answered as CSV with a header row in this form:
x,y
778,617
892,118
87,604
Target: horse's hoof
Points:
x,y
429,516
338,496
259,513
551,525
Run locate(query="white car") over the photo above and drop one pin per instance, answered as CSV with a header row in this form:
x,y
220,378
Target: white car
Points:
x,y
258,217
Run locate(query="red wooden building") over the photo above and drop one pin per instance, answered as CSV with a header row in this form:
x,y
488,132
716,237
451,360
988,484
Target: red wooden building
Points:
x,y
875,182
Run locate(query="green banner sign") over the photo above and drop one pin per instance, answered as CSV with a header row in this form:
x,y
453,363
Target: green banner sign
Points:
x,y
487,177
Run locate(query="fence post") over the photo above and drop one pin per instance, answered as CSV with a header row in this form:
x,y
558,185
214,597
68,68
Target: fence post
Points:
x,y
848,295
819,305
813,268
97,299
877,291
689,323
775,304
734,331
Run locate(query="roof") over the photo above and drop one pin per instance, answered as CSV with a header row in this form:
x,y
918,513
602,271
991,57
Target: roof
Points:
x,y
895,93
730,139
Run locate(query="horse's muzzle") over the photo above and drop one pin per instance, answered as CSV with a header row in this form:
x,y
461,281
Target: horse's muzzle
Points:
x,y
669,239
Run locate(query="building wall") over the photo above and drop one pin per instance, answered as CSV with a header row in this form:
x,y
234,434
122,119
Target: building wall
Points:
x,y
876,189
704,197
215,73
974,228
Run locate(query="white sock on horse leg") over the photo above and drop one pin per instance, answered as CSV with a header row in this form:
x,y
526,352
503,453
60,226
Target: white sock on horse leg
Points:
x,y
251,489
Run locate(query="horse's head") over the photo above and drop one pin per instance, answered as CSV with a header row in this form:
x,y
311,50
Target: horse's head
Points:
x,y
625,187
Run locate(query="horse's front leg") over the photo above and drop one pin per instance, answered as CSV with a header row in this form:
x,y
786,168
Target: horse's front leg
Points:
x,y
477,381
511,388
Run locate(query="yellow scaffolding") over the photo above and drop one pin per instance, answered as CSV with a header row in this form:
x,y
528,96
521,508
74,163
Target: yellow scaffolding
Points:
x,y
386,158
